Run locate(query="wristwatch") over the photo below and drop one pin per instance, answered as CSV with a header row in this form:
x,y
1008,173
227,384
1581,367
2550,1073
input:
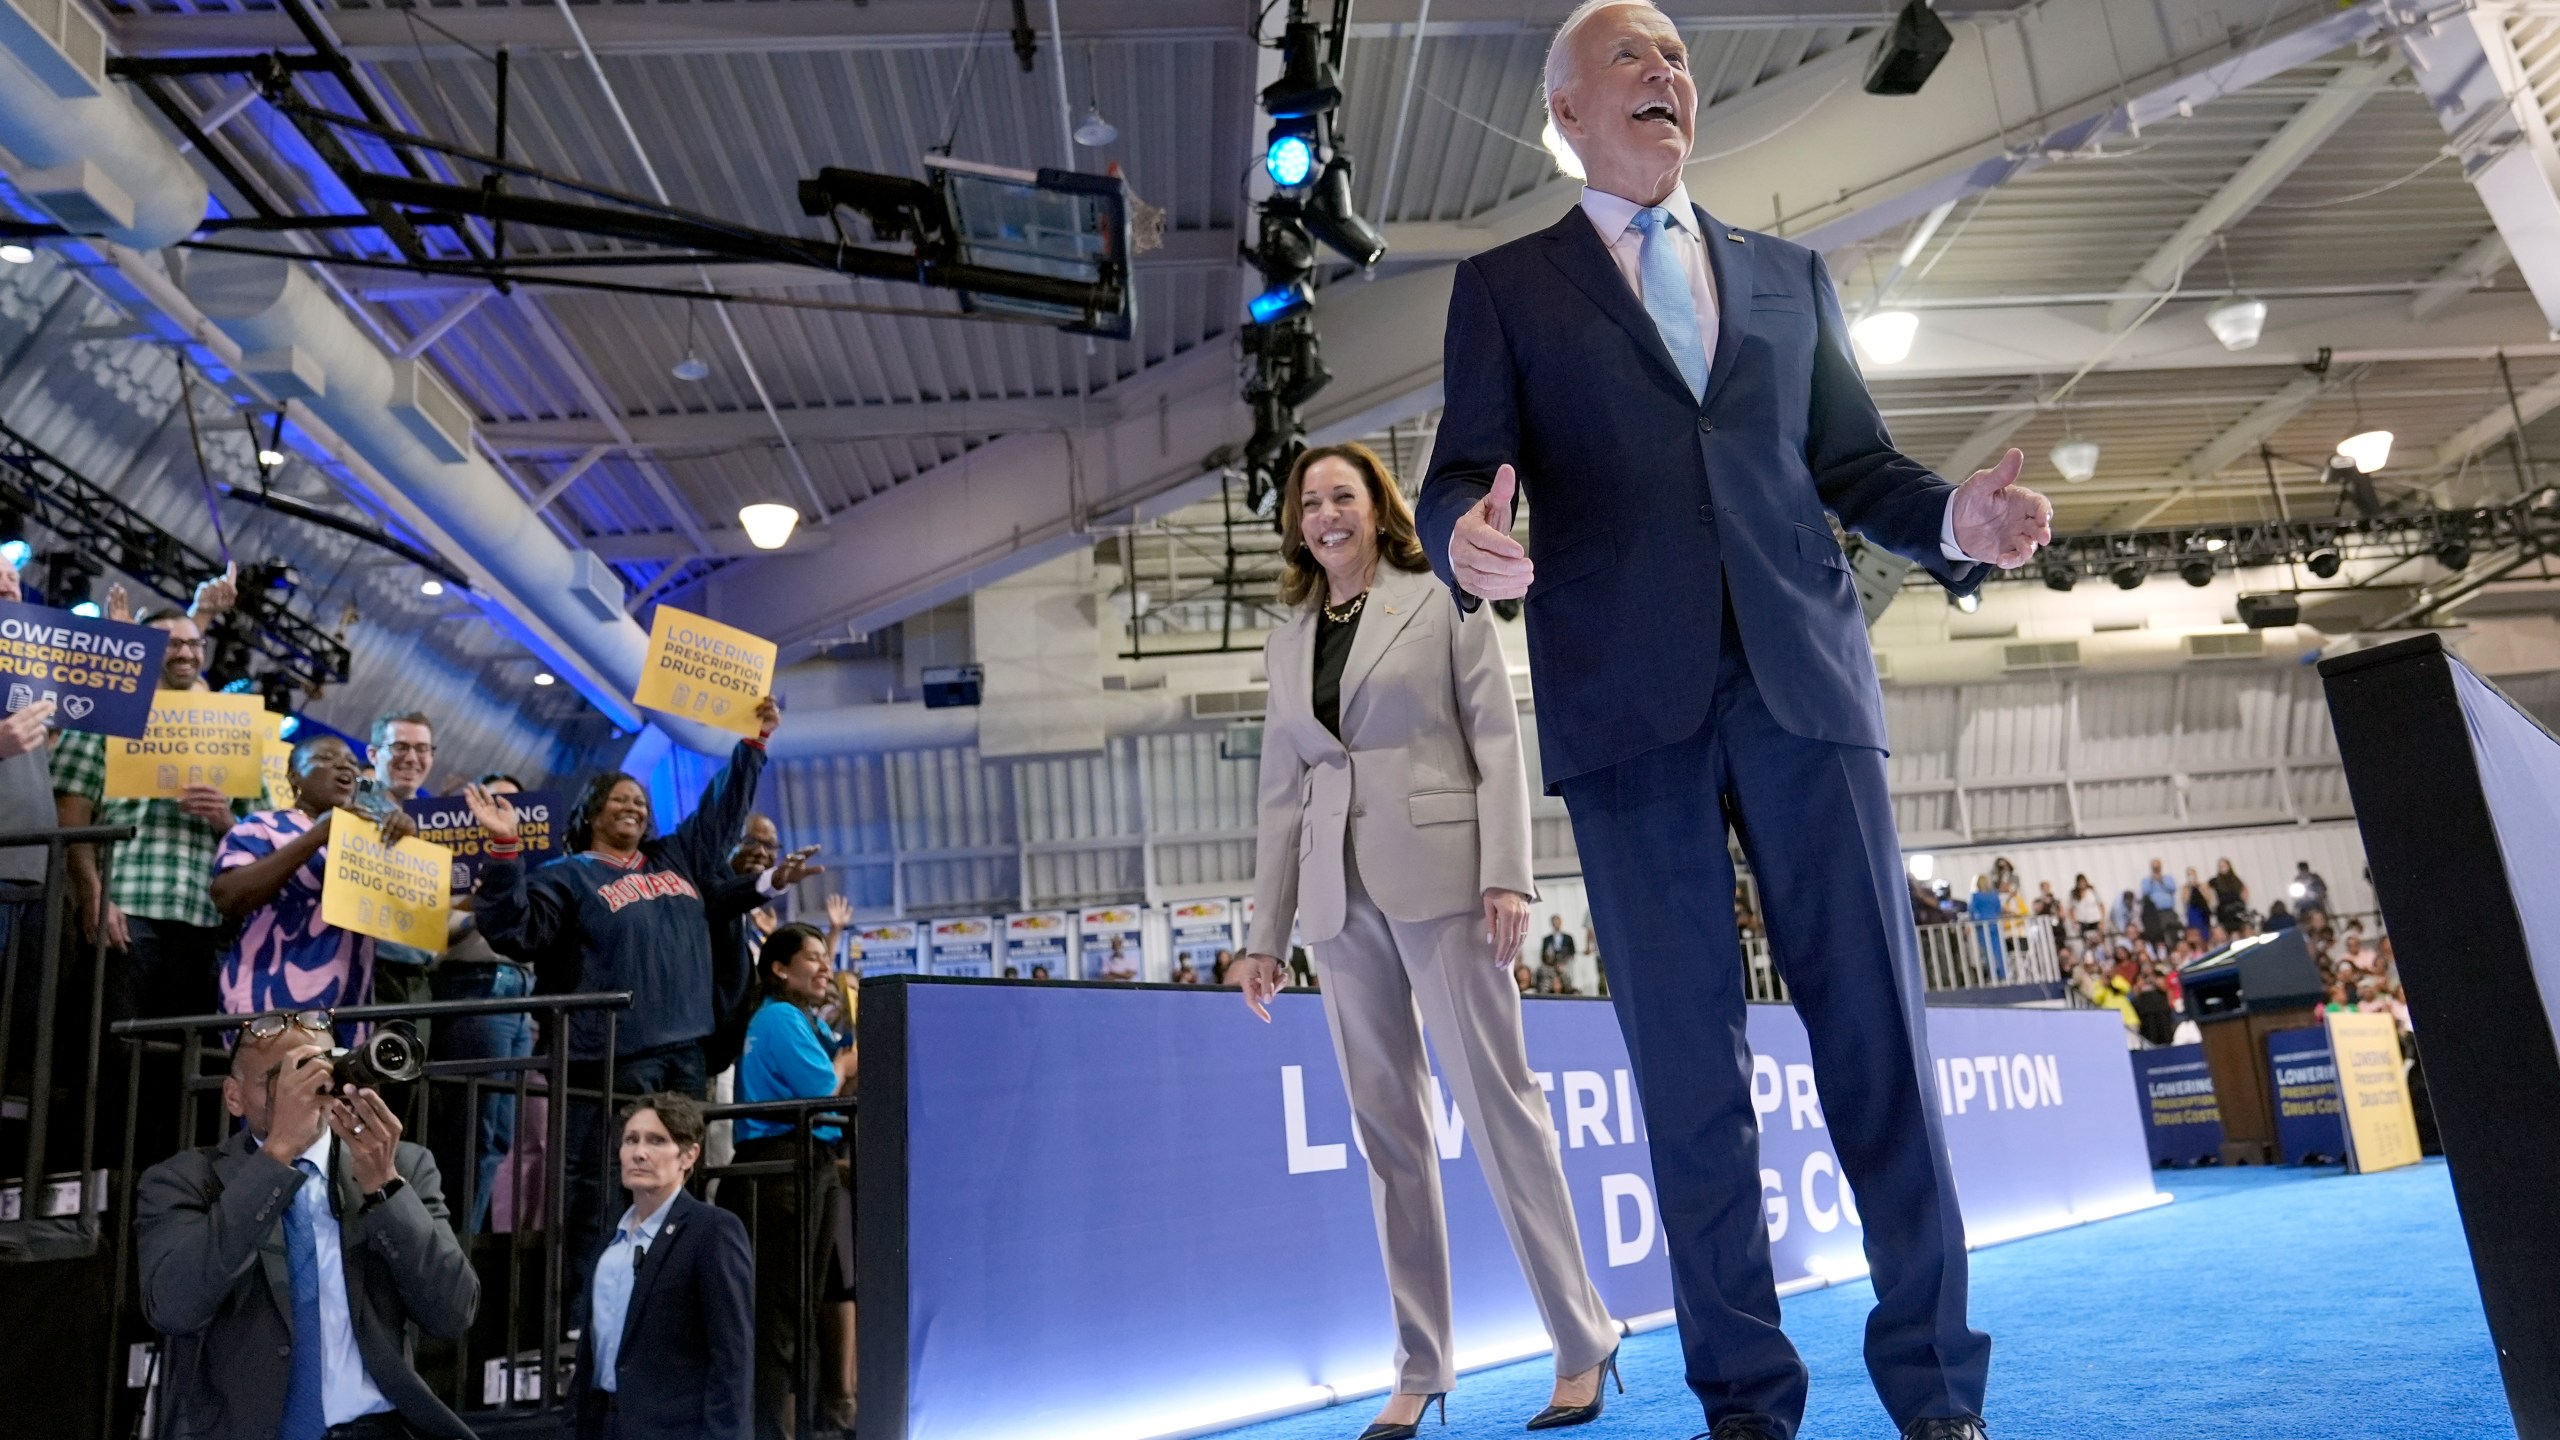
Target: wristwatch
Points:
x,y
390,1187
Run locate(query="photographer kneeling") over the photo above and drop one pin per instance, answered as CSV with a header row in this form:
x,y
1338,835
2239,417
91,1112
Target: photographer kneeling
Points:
x,y
291,1267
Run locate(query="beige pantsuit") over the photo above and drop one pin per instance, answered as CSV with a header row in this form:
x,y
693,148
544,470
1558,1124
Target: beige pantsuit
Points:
x,y
1381,844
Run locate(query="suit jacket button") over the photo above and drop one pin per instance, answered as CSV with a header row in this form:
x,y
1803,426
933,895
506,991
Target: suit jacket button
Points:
x,y
1706,426
284,1352
1706,514
1357,811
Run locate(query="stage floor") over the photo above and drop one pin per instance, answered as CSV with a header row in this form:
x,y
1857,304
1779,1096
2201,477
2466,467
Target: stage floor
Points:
x,y
2277,1304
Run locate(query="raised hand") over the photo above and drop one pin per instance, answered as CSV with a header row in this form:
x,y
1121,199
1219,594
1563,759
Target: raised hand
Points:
x,y
218,594
1998,520
119,604
795,867
24,731
1482,555
839,912
495,814
768,716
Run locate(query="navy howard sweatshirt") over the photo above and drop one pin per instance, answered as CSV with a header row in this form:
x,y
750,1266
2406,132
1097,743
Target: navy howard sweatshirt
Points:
x,y
589,922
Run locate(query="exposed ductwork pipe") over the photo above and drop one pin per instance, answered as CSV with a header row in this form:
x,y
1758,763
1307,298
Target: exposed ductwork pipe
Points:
x,y
298,343
867,729
76,144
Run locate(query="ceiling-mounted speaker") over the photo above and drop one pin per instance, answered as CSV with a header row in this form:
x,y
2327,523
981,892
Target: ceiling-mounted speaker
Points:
x,y
1909,52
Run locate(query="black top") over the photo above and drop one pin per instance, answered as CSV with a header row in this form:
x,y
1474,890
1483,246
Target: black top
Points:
x,y
1333,648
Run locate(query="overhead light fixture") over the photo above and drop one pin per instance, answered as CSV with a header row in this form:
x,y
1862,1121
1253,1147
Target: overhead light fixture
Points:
x,y
2454,554
2237,323
2216,544
1280,302
2058,575
1561,150
2323,562
2076,459
769,525
2127,575
1289,157
269,459
2368,451
544,677
88,608
1335,218
1307,86
1885,337
691,367
17,254
16,553
1911,48
2197,571
1966,603
1093,132
430,588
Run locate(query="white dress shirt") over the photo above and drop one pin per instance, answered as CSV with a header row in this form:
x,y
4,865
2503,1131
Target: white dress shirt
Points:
x,y
1614,217
346,1391
617,1275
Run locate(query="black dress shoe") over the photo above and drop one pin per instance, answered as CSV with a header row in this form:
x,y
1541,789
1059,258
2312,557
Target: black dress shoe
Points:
x,y
1557,1417
1742,1427
1937,1427
1385,1431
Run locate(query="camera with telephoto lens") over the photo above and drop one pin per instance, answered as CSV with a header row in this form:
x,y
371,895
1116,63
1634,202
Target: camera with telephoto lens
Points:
x,y
391,1055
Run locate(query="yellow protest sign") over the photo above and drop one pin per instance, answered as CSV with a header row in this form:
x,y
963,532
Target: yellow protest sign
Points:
x,y
275,756
2373,1090
390,892
704,670
196,737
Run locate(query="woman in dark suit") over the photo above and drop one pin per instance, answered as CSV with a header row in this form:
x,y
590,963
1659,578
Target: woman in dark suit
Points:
x,y
669,1349
1395,834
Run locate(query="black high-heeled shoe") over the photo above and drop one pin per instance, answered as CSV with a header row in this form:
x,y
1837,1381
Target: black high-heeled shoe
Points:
x,y
1406,1431
1557,1417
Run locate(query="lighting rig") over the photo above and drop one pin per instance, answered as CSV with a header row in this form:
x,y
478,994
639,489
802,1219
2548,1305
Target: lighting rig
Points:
x,y
97,530
2517,534
1311,176
1051,246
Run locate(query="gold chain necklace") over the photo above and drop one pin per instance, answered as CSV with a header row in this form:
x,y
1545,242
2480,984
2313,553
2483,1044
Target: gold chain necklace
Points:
x,y
1348,610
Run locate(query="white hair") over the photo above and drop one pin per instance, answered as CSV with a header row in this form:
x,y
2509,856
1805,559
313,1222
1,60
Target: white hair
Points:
x,y
1560,49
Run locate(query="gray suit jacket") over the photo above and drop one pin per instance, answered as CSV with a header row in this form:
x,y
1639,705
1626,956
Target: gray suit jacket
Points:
x,y
210,1230
1427,781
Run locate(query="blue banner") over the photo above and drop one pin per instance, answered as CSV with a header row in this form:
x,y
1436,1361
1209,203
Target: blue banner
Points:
x,y
99,674
2310,1126
2179,1113
446,820
1063,1143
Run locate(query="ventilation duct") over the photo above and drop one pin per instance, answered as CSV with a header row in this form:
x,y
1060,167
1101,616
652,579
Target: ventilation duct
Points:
x,y
76,145
409,427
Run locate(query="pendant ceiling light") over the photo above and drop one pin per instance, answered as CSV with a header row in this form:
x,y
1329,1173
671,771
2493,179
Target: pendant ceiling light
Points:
x,y
768,525
1885,337
2076,459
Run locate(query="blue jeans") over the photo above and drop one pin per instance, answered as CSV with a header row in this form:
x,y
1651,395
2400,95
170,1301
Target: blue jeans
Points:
x,y
481,1037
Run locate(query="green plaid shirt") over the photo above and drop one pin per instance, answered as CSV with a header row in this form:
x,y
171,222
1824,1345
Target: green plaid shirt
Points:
x,y
165,872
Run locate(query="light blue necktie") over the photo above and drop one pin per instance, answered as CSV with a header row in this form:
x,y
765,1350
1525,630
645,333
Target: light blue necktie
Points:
x,y
305,1417
1667,298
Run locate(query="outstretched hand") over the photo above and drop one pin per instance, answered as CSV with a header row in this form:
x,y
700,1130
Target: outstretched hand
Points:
x,y
1998,520
497,816
1487,562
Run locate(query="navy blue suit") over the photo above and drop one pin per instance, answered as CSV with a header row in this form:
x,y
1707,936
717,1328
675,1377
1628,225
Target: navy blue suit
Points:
x,y
1700,659
686,1370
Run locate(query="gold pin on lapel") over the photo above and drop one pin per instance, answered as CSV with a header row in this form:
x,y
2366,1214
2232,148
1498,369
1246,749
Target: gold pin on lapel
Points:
x,y
1734,235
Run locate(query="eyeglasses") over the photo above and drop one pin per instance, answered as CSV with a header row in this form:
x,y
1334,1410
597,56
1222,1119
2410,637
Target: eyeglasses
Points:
x,y
403,747
269,1026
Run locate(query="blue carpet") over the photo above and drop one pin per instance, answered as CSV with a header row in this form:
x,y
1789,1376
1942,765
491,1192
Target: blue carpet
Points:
x,y
2275,1304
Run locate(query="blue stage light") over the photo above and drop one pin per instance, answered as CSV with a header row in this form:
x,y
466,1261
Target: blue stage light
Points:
x,y
90,608
291,727
1280,300
1290,159
16,553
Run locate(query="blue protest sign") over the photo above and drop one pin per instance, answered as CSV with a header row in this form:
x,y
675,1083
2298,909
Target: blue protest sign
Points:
x,y
446,820
2179,1112
99,674
2310,1125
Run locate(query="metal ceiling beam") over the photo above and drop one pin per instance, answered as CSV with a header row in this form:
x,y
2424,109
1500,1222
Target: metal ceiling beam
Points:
x,y
2078,73
2472,270
706,29
727,429
1990,439
2302,136
2245,435
2486,103
2534,401
1182,250
673,545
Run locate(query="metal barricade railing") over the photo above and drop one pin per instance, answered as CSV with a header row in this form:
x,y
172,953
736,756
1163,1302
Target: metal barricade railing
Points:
x,y
800,1172
35,983
1966,955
